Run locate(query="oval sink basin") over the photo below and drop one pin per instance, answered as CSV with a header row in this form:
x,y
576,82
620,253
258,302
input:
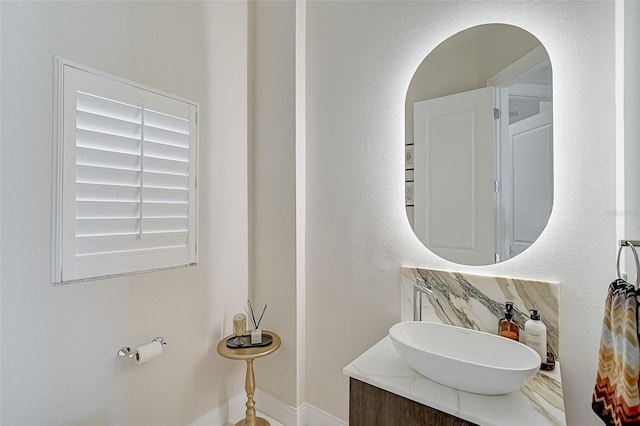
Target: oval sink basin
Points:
x,y
464,359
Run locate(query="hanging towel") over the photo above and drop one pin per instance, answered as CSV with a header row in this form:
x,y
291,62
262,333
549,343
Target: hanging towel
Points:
x,y
616,397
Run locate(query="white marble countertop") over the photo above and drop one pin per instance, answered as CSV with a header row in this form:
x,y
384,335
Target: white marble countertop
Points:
x,y
538,403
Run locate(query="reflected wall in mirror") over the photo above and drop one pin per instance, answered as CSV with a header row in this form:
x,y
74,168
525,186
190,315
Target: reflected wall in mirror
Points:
x,y
479,132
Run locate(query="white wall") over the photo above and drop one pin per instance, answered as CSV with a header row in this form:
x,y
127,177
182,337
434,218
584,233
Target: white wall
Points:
x,y
360,59
59,344
1,60
272,189
631,96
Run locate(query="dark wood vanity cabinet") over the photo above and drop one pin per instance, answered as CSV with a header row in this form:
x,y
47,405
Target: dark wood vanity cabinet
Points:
x,y
372,406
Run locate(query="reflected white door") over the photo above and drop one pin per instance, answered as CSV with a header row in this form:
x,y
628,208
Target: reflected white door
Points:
x,y
527,180
454,175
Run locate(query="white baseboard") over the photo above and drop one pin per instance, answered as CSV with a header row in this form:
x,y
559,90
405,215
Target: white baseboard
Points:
x,y
305,415
224,414
309,415
273,407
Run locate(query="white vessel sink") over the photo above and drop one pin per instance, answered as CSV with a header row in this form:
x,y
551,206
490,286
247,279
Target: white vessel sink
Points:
x,y
464,359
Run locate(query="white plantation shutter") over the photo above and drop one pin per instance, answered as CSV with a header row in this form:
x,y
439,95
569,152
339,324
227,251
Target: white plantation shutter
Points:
x,y
128,173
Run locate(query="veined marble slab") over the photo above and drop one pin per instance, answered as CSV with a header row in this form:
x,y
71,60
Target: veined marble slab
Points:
x,y
538,403
477,301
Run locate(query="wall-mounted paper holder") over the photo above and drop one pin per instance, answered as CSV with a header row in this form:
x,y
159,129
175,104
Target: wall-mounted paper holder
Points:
x,y
129,353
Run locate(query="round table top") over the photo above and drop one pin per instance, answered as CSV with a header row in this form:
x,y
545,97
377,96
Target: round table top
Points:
x,y
251,352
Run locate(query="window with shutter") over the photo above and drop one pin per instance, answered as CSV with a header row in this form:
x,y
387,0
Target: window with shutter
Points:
x,y
125,193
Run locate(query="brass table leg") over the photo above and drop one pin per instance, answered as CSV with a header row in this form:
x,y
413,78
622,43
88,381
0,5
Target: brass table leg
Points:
x,y
250,387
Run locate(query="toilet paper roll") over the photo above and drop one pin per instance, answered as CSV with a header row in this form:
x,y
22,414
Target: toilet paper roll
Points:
x,y
148,352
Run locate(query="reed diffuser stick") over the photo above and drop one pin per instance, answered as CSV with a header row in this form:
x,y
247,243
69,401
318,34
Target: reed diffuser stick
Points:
x,y
251,313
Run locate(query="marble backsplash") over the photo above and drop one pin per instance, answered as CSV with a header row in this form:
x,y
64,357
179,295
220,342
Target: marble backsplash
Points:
x,y
477,301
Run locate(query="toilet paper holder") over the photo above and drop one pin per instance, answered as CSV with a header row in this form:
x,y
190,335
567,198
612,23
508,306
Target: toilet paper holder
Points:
x,y
129,353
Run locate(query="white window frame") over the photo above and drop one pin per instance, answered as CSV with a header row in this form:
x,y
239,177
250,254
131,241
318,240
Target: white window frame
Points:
x,y
92,239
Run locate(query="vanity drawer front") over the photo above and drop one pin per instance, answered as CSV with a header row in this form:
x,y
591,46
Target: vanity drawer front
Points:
x,y
369,406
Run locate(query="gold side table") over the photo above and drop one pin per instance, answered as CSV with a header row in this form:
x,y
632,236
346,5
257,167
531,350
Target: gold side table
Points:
x,y
249,354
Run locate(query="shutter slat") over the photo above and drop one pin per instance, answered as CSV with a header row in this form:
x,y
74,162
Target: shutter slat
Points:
x,y
105,209
161,166
152,210
168,152
111,193
111,226
106,142
166,122
157,180
111,126
163,225
116,160
109,176
155,195
124,243
166,137
90,103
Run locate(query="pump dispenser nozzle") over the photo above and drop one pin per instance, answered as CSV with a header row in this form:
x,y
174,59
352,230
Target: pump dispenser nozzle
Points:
x,y
506,326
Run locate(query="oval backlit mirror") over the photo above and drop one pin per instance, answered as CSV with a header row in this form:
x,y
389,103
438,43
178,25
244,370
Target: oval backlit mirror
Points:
x,y
479,145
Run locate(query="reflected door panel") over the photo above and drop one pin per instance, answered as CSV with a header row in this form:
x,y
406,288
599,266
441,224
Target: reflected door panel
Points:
x,y
454,175
531,145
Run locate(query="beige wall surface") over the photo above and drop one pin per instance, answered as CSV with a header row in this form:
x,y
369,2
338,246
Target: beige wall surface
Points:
x,y
272,188
361,57
59,344
630,211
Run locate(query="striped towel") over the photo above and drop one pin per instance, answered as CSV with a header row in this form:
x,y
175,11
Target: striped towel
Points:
x,y
616,397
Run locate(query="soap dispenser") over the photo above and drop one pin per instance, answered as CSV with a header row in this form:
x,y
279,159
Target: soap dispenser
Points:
x,y
507,327
535,335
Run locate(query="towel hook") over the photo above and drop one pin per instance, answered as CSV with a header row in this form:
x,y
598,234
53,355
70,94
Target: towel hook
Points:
x,y
627,243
